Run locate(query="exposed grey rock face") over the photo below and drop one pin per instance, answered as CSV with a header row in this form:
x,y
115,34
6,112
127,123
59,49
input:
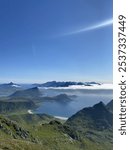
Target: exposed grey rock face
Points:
x,y
14,130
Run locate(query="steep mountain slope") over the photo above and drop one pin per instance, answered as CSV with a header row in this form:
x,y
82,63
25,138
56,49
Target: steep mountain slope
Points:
x,y
29,93
109,106
94,123
12,106
48,136
9,88
88,129
97,117
13,130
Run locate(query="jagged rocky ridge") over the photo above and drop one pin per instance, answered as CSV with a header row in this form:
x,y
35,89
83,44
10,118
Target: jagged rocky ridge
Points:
x,y
97,117
64,84
90,128
14,130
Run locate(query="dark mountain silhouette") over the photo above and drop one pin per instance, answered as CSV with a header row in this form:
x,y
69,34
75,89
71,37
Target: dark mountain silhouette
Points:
x,y
59,98
29,93
109,106
15,106
90,128
64,84
97,117
9,88
9,85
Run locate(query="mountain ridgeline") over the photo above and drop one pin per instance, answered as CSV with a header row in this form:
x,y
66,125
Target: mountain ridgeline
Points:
x,y
28,93
24,100
14,130
60,98
65,84
9,88
21,100
15,106
97,117
88,129
110,106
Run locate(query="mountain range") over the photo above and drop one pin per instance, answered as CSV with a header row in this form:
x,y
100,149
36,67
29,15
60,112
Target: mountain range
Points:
x,y
11,84
9,88
35,95
65,84
88,129
10,106
97,117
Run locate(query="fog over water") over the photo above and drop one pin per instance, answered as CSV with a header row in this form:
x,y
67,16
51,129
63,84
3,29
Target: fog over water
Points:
x,y
81,98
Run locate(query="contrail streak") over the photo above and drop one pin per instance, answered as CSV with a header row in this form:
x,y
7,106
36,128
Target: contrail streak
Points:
x,y
92,27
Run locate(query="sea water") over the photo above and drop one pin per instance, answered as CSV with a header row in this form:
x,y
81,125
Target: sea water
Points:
x,y
81,98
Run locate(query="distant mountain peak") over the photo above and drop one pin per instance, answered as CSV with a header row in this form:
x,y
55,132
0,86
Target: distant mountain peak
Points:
x,y
99,105
11,83
66,84
28,93
62,97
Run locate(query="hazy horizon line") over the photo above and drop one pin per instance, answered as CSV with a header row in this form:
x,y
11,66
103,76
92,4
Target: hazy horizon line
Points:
x,y
41,82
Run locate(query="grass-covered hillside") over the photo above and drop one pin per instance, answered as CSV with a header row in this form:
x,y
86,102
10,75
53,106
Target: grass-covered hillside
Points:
x,y
88,129
8,106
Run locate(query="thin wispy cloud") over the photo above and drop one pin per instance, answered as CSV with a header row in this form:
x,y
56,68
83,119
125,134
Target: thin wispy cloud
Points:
x,y
99,25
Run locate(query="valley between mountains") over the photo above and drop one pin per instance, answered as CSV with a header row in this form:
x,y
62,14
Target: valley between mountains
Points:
x,y
90,128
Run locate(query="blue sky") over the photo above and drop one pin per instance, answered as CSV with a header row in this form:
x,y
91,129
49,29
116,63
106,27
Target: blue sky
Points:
x,y
42,40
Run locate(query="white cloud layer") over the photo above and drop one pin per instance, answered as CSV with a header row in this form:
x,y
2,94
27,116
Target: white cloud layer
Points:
x,y
93,27
74,87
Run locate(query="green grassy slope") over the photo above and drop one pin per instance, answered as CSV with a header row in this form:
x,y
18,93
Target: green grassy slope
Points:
x,y
13,105
88,129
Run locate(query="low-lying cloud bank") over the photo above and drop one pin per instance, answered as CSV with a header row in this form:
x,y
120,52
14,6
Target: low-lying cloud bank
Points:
x,y
93,86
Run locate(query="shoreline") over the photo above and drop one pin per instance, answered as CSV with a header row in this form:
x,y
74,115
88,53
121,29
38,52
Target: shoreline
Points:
x,y
30,111
62,118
